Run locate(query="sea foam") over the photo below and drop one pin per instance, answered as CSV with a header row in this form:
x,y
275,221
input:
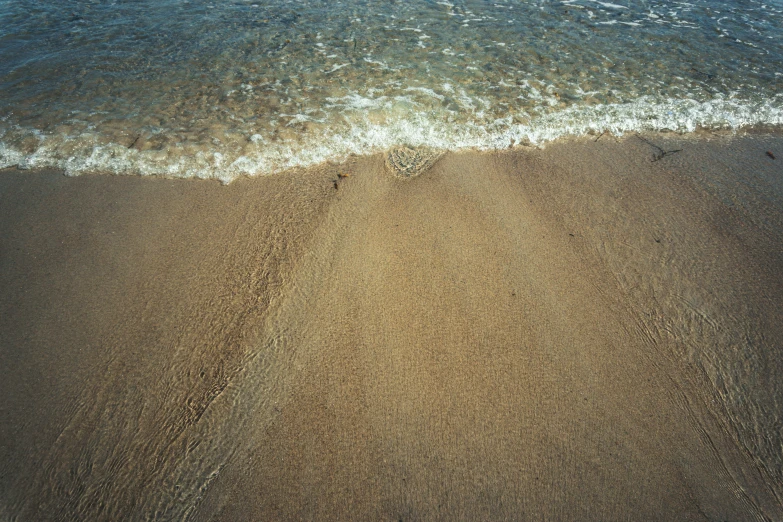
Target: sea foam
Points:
x,y
360,133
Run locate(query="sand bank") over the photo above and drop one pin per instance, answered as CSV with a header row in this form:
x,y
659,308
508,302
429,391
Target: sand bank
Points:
x,y
589,331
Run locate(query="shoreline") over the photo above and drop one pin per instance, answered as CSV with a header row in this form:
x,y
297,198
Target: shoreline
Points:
x,y
588,330
160,155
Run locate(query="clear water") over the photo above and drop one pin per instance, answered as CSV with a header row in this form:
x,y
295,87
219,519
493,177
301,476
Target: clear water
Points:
x,y
220,89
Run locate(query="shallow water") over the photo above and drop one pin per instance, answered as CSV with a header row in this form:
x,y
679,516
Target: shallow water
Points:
x,y
199,88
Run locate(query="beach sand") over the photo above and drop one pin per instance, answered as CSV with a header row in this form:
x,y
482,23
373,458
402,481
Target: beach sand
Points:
x,y
589,331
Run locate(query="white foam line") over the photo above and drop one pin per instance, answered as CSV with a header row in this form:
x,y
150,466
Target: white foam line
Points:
x,y
424,90
336,68
361,134
611,5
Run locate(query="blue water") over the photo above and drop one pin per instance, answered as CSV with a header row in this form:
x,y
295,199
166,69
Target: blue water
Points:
x,y
220,89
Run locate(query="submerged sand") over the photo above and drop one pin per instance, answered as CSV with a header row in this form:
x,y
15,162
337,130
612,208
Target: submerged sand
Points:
x,y
590,331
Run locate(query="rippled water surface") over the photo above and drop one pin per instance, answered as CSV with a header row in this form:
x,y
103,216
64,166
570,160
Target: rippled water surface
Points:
x,y
246,87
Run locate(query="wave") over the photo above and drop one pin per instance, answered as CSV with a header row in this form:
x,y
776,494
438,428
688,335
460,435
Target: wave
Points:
x,y
361,132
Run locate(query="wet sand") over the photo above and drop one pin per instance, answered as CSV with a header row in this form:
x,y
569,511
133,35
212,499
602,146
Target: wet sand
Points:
x,y
590,331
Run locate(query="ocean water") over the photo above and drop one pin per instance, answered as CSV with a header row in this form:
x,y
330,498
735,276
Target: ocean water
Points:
x,y
226,88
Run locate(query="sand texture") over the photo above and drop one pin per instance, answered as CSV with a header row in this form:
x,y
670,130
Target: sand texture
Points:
x,y
592,331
